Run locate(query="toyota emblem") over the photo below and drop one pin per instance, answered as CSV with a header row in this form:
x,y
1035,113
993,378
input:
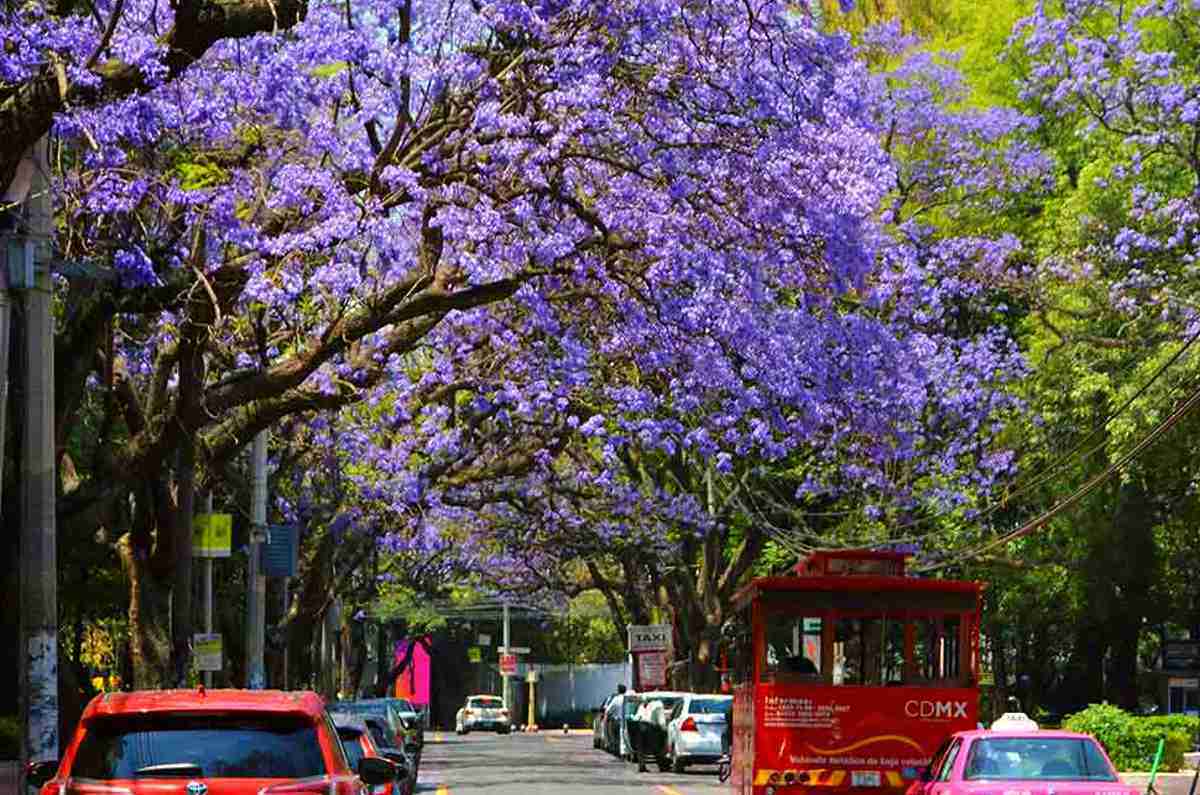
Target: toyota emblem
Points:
x,y
196,788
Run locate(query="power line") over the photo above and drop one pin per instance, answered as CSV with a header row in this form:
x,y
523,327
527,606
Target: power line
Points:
x,y
1082,491
1048,472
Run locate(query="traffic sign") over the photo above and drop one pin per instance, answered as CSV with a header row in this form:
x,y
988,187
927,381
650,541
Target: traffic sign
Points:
x,y
280,555
206,651
515,650
508,665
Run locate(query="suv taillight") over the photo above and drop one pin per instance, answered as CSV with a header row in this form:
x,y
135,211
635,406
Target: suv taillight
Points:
x,y
317,785
74,787
688,725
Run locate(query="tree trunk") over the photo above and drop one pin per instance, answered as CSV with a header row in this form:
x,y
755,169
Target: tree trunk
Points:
x,y
149,620
190,374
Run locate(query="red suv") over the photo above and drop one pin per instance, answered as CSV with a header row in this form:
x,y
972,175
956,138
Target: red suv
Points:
x,y
219,742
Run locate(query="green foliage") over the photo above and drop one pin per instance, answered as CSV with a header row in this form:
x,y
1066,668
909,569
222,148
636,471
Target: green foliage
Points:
x,y
1132,742
397,603
586,634
10,737
196,176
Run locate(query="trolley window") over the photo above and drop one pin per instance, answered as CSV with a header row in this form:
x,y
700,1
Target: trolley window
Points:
x,y
868,651
792,648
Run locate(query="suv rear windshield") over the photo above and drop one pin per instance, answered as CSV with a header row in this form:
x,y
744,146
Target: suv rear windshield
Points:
x,y
199,746
709,706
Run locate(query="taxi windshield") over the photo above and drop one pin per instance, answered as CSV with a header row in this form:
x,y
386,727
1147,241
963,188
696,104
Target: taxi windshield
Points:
x,y
1038,759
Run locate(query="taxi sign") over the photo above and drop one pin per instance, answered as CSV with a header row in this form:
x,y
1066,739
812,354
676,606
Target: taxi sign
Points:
x,y
1014,722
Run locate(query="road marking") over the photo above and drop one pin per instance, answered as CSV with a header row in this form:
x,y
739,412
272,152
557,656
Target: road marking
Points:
x,y
443,790
437,737
663,788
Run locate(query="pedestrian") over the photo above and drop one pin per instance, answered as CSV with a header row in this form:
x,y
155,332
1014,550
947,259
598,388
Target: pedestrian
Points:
x,y
655,739
640,727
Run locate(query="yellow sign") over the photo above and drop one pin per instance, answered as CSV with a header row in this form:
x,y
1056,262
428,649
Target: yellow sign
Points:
x,y
475,654
212,535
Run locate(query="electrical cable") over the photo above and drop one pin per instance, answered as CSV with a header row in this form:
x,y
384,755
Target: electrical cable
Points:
x,y
1048,472
1078,494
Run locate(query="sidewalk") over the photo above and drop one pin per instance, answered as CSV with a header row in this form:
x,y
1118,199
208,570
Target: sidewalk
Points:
x,y
1166,783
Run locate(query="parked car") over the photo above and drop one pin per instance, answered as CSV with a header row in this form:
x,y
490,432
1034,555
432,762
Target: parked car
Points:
x,y
616,736
621,710
670,699
232,742
483,713
1034,761
358,742
598,740
694,730
406,721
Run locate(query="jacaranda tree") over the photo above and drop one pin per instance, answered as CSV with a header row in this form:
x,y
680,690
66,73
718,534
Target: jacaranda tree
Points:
x,y
615,221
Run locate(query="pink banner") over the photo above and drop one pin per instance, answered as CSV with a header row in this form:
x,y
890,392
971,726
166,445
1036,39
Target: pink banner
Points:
x,y
413,683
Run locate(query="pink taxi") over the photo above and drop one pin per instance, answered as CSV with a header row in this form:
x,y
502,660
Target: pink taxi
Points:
x,y
1029,762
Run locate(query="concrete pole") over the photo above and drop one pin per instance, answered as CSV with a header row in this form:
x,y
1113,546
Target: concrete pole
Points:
x,y
532,718
5,324
504,676
208,590
38,686
256,597
283,622
14,196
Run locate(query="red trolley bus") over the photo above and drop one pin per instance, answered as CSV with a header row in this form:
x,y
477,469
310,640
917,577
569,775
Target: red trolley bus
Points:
x,y
848,674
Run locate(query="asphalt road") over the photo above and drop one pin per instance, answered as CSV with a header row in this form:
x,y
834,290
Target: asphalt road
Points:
x,y
541,764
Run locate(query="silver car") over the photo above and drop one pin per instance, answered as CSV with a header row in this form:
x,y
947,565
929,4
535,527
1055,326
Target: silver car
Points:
x,y
694,730
483,712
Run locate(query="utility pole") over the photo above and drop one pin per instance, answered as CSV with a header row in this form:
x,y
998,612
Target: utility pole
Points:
x,y
504,676
208,590
17,246
38,685
256,583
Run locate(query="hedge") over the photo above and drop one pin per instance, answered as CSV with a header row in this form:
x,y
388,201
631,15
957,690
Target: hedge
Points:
x,y
1131,741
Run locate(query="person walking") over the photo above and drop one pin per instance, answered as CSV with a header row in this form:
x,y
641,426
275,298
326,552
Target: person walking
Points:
x,y
651,722
640,728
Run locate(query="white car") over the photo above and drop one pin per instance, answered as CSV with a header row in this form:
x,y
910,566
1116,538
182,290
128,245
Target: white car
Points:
x,y
483,713
694,730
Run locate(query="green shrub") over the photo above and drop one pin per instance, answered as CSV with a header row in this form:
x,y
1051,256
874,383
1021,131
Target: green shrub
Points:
x,y
1131,742
10,737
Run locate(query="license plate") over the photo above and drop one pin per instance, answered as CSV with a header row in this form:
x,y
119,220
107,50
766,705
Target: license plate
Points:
x,y
864,778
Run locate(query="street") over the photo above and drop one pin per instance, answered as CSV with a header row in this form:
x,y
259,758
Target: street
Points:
x,y
546,763
542,764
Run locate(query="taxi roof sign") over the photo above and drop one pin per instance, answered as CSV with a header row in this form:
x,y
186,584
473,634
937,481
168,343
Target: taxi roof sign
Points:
x,y
1014,722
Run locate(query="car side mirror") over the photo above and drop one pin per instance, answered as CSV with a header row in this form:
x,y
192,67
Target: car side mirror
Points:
x,y
38,773
398,759
376,771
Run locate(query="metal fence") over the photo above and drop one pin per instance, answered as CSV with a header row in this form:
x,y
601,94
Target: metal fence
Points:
x,y
570,693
